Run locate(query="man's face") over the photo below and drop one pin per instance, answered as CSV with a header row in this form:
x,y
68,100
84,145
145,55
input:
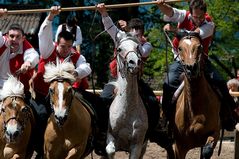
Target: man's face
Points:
x,y
136,32
15,39
64,47
198,16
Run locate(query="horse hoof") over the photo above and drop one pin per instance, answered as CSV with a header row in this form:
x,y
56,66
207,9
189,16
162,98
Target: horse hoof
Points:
x,y
207,151
110,148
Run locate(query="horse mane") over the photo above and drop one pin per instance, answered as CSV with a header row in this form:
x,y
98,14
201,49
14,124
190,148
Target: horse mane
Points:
x,y
60,70
125,36
184,34
12,87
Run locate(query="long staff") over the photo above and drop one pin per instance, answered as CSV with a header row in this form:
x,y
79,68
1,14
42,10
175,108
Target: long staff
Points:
x,y
90,7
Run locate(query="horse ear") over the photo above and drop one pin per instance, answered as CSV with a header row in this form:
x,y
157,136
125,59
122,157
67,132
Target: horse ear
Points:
x,y
1,107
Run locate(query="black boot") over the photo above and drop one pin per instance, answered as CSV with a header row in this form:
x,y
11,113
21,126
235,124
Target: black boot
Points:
x,y
162,134
100,143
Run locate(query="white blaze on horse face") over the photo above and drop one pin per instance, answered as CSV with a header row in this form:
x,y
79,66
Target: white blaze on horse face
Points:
x,y
189,43
60,111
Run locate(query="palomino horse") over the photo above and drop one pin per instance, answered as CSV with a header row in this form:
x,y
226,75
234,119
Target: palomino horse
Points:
x,y
128,120
69,127
16,122
197,120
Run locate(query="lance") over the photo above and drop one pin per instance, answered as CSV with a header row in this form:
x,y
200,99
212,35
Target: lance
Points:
x,y
112,6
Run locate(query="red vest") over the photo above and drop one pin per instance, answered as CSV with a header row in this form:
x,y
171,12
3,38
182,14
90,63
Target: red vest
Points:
x,y
40,86
188,25
16,63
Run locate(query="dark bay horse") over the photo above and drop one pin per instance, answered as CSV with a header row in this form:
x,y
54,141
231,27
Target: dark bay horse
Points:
x,y
69,127
197,120
16,122
128,119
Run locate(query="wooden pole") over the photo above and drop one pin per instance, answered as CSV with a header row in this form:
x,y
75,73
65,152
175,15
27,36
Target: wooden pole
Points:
x,y
112,6
159,93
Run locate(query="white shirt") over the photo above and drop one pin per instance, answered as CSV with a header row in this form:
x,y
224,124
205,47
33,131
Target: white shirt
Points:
x,y
47,46
78,40
30,55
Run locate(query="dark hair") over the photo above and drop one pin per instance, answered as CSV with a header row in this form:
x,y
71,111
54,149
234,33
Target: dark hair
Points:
x,y
16,27
136,23
65,35
198,4
71,20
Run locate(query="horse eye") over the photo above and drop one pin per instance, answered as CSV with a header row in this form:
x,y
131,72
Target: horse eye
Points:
x,y
69,89
24,109
179,49
51,90
119,49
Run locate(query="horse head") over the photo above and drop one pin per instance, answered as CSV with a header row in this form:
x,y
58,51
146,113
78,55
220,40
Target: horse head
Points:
x,y
15,113
61,92
128,55
190,53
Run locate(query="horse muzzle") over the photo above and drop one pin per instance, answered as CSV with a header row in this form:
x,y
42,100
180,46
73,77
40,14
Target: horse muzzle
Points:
x,y
12,132
60,120
193,71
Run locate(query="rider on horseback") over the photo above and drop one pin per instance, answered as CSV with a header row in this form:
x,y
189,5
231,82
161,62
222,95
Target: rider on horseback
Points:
x,y
134,27
196,20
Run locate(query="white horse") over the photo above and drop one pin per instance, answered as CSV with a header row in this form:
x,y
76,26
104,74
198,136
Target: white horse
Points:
x,y
128,120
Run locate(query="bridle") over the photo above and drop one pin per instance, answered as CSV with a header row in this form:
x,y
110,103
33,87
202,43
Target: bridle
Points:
x,y
51,93
122,57
25,110
186,68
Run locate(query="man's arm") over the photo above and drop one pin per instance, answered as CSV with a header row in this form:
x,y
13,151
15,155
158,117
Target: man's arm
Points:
x,y
82,67
107,21
46,44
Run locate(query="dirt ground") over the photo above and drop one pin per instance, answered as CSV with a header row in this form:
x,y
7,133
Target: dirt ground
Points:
x,y
156,152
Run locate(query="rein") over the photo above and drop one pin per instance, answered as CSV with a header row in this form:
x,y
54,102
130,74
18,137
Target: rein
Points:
x,y
61,80
119,57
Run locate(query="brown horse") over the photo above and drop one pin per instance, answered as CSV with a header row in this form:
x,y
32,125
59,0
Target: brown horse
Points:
x,y
197,121
69,127
16,122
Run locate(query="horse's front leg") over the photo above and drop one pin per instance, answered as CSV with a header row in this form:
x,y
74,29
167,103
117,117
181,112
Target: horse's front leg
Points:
x,y
18,156
110,148
76,152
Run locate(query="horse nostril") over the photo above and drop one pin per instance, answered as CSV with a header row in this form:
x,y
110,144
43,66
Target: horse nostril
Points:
x,y
15,134
131,62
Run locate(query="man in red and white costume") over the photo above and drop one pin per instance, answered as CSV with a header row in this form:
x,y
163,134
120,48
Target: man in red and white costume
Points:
x,y
17,56
50,52
195,20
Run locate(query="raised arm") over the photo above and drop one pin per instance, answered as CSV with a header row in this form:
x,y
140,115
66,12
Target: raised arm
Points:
x,y
46,44
107,21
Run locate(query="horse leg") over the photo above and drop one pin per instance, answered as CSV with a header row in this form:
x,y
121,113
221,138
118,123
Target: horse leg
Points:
x,y
179,152
143,149
135,151
110,148
170,152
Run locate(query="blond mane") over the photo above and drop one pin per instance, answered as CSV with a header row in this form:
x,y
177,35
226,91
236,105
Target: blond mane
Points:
x,y
12,87
60,70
